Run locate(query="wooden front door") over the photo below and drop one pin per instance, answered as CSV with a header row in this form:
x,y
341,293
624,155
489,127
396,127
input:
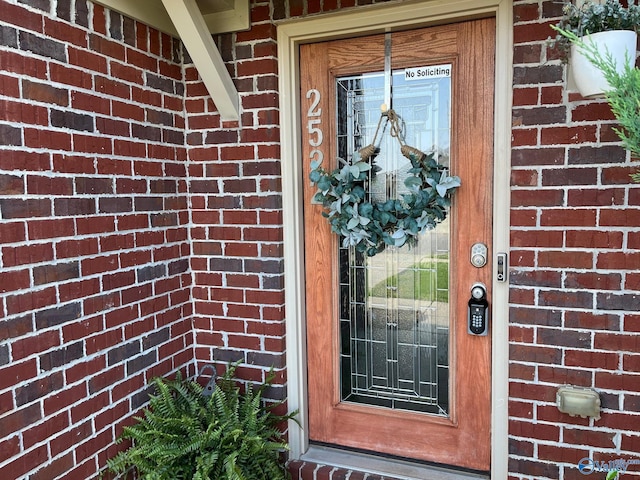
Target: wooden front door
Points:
x,y
392,367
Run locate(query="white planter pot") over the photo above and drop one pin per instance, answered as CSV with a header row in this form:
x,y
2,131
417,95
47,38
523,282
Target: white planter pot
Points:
x,y
589,79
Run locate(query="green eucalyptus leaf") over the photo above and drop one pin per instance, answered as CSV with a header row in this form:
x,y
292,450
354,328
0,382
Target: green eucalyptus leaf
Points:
x,y
358,193
447,183
388,205
366,209
412,182
319,197
385,218
400,241
315,176
324,184
443,202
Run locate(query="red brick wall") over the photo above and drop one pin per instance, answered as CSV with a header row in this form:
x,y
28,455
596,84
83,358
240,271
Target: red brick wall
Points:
x,y
575,255
237,210
94,252
129,211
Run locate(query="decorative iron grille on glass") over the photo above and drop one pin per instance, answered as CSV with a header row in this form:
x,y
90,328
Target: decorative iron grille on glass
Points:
x,y
394,310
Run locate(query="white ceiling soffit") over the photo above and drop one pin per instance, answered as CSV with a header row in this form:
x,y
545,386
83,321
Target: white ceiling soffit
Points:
x,y
220,16
193,21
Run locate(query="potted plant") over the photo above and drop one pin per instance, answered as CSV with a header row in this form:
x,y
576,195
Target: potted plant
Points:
x,y
224,434
610,27
622,90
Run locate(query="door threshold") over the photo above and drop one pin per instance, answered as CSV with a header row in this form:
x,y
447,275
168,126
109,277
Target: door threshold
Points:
x,y
376,465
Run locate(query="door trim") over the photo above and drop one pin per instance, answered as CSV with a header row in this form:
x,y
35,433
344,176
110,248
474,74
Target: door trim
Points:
x,y
365,21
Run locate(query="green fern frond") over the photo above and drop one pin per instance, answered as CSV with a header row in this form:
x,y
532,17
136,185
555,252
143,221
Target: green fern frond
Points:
x,y
184,435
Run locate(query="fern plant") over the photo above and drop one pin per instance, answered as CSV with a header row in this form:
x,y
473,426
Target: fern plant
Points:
x,y
184,435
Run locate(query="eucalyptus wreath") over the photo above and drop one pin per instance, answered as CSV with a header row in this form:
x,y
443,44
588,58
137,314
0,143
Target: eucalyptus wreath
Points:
x,y
371,226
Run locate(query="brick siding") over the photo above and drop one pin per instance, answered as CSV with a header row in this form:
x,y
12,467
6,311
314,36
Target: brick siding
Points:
x,y
95,282
311,471
139,235
237,211
574,295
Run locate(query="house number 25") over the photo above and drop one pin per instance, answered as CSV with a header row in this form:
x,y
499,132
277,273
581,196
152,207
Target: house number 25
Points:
x,y
314,123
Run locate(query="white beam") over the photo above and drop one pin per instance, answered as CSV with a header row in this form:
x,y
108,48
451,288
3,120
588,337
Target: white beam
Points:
x,y
193,31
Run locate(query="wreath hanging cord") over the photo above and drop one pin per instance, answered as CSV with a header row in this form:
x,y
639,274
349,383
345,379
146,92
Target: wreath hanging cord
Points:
x,y
395,131
371,226
370,150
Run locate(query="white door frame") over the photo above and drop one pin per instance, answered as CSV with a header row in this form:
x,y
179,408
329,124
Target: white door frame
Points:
x,y
364,21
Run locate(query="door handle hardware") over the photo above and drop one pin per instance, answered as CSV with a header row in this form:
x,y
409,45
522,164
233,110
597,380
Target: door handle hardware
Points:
x,y
479,255
478,321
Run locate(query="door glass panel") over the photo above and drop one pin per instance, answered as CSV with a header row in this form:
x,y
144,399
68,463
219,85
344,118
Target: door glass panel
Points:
x,y
394,307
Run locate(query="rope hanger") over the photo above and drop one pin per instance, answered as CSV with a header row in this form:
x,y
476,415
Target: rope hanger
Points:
x,y
395,131
388,114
